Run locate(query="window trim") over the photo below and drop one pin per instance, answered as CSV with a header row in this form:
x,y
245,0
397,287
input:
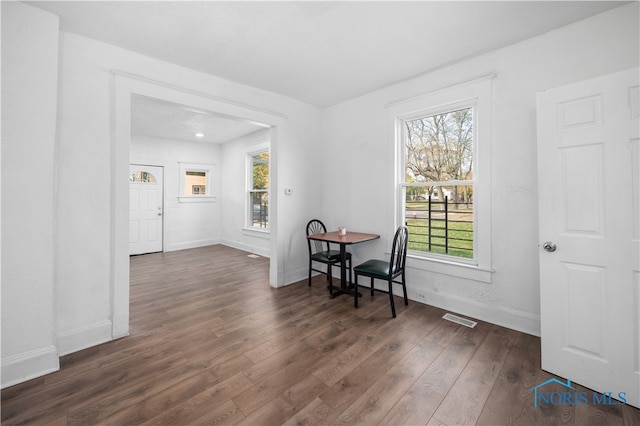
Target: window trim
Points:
x,y
477,94
401,200
209,196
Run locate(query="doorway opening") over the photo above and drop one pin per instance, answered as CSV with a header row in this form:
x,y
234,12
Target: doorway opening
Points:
x,y
126,87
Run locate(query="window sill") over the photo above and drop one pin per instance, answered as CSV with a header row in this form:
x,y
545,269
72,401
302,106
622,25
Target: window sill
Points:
x,y
257,232
196,199
447,267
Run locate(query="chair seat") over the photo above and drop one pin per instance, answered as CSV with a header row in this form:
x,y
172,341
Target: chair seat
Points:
x,y
387,270
328,256
378,268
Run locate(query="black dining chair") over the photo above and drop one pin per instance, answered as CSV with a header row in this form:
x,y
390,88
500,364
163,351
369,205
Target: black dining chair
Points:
x,y
319,251
387,270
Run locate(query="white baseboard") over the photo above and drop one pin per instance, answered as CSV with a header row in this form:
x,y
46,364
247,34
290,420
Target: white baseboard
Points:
x,y
510,318
120,326
246,247
292,276
192,244
85,337
298,274
504,317
29,365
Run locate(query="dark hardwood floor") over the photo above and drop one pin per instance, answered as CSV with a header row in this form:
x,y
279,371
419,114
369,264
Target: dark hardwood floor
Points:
x,y
211,343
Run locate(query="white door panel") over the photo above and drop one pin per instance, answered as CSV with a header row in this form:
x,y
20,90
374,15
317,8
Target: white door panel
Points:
x,y
145,209
588,177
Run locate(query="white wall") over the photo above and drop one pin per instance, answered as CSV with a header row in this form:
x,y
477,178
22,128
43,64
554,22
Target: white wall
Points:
x,y
87,138
360,181
69,233
29,97
234,194
186,225
78,257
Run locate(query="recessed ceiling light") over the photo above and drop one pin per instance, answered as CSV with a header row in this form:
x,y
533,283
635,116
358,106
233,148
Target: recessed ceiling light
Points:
x,y
199,135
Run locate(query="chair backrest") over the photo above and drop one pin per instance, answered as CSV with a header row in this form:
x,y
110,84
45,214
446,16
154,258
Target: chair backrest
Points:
x,y
399,251
316,226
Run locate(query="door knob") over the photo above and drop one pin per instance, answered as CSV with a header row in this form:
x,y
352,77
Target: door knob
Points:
x,y
549,246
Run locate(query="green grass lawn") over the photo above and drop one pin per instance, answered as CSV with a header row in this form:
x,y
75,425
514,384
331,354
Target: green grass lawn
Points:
x,y
459,232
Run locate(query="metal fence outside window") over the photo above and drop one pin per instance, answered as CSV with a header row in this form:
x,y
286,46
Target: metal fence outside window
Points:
x,y
444,227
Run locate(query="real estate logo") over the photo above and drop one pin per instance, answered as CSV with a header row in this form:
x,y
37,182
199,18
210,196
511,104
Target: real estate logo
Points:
x,y
571,396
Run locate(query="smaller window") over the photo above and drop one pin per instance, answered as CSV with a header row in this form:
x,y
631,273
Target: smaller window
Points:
x,y
258,190
195,182
142,177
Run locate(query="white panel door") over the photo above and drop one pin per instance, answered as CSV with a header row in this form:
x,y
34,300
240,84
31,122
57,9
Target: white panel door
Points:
x,y
145,209
589,220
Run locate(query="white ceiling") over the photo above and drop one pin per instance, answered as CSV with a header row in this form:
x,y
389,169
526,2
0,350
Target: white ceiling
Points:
x,y
167,120
319,52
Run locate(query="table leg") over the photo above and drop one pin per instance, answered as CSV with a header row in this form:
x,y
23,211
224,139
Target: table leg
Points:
x,y
343,267
344,286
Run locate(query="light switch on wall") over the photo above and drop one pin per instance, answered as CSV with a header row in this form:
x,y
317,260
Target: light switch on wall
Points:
x,y
288,191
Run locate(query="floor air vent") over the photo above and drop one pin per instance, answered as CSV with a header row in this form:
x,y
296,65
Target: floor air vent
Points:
x,y
253,256
459,320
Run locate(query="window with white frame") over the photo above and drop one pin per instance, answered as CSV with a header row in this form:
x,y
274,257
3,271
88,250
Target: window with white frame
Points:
x,y
196,182
443,176
258,190
438,184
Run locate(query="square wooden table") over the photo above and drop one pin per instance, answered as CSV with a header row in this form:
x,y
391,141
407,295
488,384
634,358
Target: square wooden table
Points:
x,y
343,240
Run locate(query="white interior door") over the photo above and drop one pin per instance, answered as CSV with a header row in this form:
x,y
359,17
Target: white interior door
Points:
x,y
589,190
145,209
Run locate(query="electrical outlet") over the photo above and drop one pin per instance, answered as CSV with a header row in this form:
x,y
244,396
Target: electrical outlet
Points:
x,y
421,296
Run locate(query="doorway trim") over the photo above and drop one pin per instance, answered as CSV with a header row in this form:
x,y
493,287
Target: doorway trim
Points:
x,y
124,85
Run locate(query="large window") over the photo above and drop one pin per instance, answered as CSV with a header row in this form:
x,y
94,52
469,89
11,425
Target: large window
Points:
x,y
438,186
258,190
443,178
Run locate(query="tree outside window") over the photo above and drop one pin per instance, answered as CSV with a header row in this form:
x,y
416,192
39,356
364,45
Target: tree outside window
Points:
x,y
439,164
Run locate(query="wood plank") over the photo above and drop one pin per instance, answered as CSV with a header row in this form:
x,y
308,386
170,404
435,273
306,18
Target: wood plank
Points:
x,y
131,398
293,370
84,389
195,409
346,391
382,396
372,337
275,384
293,400
225,414
424,397
511,399
206,325
288,358
466,398
305,391
317,412
270,413
149,407
314,322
